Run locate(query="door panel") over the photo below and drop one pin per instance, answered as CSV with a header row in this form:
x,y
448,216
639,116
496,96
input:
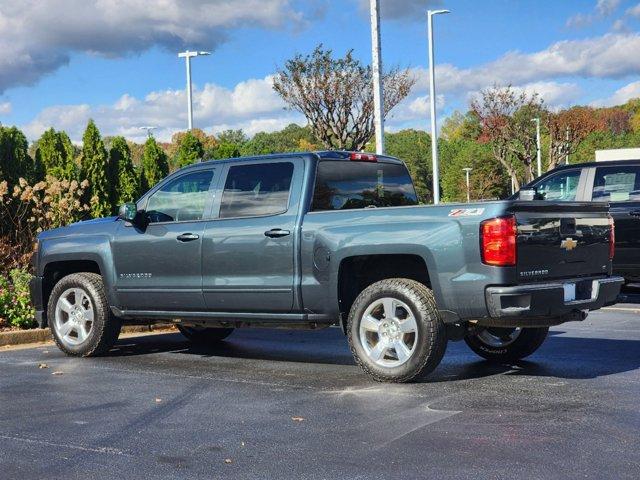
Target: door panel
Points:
x,y
620,185
156,271
248,254
159,265
626,260
246,271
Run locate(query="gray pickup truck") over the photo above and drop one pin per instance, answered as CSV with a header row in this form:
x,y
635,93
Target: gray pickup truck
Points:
x,y
311,240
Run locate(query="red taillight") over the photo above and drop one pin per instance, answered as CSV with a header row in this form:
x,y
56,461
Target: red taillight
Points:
x,y
362,157
612,238
498,241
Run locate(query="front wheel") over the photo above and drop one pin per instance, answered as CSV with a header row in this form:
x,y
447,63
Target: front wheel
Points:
x,y
506,344
79,316
395,332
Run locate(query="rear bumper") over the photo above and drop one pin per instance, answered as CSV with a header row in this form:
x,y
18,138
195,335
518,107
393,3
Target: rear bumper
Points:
x,y
37,300
540,304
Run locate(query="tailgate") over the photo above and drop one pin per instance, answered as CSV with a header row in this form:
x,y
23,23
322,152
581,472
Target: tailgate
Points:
x,y
561,240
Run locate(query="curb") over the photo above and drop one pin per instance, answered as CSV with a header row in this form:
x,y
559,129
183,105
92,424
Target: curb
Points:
x,y
42,335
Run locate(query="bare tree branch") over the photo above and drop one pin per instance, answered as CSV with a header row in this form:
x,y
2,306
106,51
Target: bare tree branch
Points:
x,y
336,95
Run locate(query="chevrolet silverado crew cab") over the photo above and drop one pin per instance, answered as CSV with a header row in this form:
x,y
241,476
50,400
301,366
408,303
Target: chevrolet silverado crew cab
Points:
x,y
329,238
616,183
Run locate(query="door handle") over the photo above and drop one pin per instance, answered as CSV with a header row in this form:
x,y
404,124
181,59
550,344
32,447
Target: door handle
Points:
x,y
277,233
187,237
635,213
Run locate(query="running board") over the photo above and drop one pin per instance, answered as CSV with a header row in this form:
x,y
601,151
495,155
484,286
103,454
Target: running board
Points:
x,y
226,317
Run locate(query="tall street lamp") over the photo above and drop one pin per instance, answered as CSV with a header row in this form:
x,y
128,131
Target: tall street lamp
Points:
x,y
187,56
432,98
538,153
149,130
467,171
376,68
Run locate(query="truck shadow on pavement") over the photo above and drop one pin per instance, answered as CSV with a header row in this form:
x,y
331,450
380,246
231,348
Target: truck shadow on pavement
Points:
x,y
561,356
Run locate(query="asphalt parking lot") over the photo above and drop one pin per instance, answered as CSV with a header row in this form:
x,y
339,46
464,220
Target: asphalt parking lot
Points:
x,y
292,404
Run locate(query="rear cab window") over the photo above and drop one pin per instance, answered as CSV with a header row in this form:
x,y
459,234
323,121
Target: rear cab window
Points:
x,y
345,185
617,184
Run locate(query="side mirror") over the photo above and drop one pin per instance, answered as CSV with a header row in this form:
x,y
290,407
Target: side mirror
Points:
x,y
528,194
128,212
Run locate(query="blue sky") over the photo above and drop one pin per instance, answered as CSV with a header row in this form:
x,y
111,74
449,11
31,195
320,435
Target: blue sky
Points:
x,y
62,62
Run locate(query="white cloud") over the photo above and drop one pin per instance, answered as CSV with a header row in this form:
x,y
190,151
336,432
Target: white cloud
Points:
x,y
620,96
601,57
607,7
555,95
5,108
37,37
634,11
580,20
251,105
603,8
620,26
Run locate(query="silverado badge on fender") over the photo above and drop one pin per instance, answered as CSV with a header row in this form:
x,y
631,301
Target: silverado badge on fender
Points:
x,y
568,244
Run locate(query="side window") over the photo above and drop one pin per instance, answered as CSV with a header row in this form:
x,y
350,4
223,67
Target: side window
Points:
x,y
562,187
617,184
256,190
182,199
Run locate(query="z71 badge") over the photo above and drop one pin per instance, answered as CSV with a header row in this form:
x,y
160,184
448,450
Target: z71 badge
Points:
x,y
466,212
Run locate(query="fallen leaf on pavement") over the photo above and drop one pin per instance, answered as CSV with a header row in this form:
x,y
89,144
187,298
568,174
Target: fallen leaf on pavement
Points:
x,y
297,419
43,365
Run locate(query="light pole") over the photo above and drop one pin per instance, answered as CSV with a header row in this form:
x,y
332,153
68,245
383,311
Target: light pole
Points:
x,y
566,158
467,171
149,130
187,56
376,71
538,152
432,98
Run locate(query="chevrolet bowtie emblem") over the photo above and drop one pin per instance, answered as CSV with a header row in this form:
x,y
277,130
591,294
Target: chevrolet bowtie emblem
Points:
x,y
568,244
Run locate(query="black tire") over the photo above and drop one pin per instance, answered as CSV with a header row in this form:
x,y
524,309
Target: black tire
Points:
x,y
105,328
203,335
527,342
431,341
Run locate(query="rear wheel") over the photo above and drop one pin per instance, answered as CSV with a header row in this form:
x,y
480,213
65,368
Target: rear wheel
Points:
x,y
79,316
506,344
204,335
395,331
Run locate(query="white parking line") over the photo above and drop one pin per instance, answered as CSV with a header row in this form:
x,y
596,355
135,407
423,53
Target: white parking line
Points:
x,y
622,309
38,441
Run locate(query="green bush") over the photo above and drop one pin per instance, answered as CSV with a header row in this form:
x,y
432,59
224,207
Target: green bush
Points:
x,y
15,305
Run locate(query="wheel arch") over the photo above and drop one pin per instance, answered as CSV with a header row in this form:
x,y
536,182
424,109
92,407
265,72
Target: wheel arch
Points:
x,y
57,268
357,272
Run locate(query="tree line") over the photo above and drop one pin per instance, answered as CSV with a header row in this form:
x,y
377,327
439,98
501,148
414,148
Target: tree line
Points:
x,y
499,147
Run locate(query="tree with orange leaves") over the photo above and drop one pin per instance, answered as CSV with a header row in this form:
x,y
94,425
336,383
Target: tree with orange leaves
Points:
x,y
567,128
505,116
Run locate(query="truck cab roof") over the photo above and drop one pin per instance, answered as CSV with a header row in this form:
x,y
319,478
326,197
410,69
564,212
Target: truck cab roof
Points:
x,y
340,155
